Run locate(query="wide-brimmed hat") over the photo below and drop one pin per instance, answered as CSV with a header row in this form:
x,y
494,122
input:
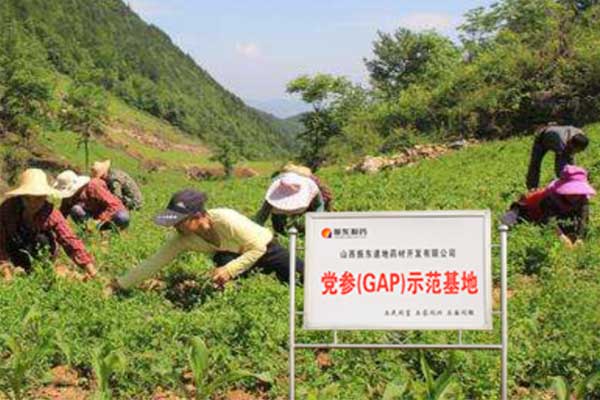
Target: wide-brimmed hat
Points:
x,y
291,192
573,181
32,182
68,183
297,169
100,168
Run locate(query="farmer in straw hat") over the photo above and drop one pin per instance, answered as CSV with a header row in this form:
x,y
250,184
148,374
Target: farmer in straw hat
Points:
x,y
235,243
85,198
564,141
291,194
119,183
28,223
566,199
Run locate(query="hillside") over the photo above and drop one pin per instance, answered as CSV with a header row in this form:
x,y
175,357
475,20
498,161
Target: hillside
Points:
x,y
552,307
106,43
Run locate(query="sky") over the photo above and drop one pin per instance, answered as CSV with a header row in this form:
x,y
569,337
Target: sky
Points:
x,y
255,47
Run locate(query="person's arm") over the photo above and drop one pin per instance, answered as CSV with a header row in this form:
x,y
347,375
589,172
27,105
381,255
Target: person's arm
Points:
x,y
550,210
319,203
582,221
174,245
72,245
112,204
561,160
5,265
263,214
4,258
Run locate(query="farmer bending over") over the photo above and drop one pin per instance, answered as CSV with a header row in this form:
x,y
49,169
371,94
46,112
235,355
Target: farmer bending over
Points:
x,y
29,223
84,199
234,241
565,199
564,141
292,193
119,183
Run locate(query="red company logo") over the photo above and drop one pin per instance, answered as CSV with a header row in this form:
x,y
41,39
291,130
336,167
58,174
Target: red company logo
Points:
x,y
327,233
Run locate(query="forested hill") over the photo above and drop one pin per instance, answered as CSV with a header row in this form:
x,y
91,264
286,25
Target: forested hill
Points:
x,y
105,42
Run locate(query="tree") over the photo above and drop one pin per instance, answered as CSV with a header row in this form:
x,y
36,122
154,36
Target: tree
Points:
x,y
405,57
324,92
319,90
85,112
227,155
26,87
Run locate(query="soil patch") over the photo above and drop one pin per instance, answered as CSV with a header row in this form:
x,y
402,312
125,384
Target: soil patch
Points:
x,y
64,386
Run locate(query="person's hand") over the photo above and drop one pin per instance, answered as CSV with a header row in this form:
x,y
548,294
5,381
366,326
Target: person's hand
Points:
x,y
90,272
566,241
112,288
6,270
221,276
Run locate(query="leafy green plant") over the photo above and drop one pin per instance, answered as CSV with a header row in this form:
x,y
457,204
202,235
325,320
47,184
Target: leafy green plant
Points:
x,y
198,361
24,351
578,390
106,362
431,388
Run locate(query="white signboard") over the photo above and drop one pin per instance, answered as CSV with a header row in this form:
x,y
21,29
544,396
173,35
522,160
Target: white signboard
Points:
x,y
398,270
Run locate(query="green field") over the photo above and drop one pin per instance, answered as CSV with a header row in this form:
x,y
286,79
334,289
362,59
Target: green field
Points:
x,y
553,306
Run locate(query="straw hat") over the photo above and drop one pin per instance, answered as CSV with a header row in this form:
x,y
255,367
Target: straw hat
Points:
x,y
291,193
573,181
32,182
100,168
68,183
297,169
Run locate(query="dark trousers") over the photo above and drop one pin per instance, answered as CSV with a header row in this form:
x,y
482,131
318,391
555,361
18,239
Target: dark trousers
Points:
x,y
120,220
23,247
535,163
276,259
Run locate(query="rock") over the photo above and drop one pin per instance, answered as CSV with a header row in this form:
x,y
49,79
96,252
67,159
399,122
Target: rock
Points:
x,y
245,172
239,395
324,360
62,375
372,165
203,173
458,144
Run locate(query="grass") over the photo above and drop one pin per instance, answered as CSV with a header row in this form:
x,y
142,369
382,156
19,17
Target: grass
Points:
x,y
552,310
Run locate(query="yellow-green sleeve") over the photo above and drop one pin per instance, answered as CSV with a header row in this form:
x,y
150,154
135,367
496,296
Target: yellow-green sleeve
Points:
x,y
149,267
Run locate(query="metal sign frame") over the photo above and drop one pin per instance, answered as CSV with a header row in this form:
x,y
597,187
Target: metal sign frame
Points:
x,y
502,347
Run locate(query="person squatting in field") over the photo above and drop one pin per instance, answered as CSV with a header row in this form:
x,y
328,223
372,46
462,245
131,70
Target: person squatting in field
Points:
x,y
566,199
85,198
564,141
293,192
29,224
235,242
119,183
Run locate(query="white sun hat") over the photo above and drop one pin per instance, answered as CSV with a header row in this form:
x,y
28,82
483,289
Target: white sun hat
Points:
x,y
68,183
32,182
291,193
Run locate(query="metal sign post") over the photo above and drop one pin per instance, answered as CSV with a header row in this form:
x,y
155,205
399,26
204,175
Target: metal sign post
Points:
x,y
503,312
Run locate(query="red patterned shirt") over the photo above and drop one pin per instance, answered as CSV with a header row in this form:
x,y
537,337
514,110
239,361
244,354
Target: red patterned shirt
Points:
x,y
47,220
96,199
